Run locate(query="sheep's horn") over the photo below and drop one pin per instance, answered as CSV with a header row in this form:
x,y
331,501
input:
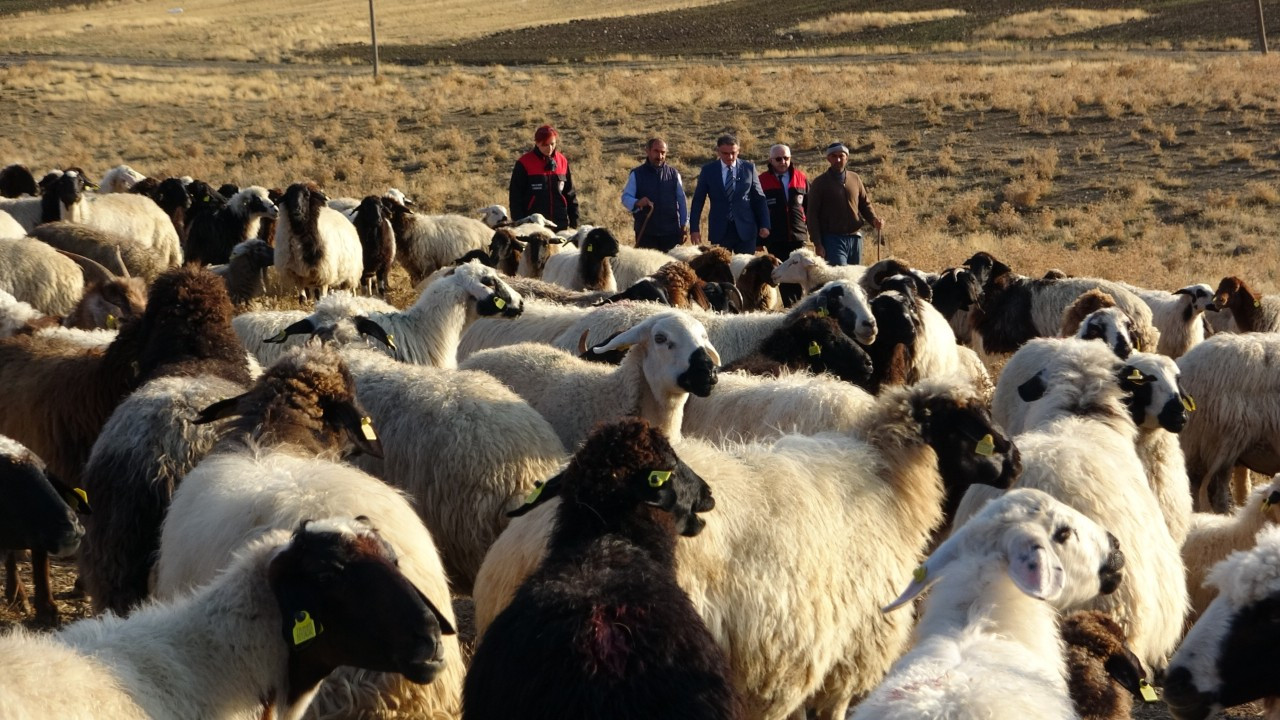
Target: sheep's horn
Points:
x,y
582,342
94,272
124,269
736,301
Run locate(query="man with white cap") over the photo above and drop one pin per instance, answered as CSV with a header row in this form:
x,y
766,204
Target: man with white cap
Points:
x,y
838,208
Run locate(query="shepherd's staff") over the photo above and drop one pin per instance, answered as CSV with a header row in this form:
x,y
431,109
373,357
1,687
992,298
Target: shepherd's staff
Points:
x,y
644,224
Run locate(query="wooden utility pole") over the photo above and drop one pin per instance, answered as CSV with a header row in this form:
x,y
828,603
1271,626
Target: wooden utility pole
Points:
x,y
373,31
1262,29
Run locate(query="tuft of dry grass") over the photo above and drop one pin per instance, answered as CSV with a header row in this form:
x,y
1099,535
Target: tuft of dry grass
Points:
x,y
842,23
1055,22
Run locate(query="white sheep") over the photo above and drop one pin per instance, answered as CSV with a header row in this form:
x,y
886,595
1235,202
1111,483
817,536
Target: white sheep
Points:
x,y
669,356
15,314
1212,537
426,243
119,179
317,248
258,639
466,449
268,334
136,217
1178,315
1234,380
746,408
494,216
1080,447
804,268
10,228
39,275
233,498
633,263
586,266
987,644
808,539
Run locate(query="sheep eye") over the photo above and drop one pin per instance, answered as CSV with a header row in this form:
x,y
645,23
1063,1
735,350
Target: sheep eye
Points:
x,y
660,338
1062,535
487,281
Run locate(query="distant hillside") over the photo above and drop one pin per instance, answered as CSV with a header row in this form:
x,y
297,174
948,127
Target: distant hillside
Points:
x,y
766,25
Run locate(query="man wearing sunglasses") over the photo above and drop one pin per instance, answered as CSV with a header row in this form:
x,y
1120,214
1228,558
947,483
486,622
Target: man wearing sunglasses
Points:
x,y
785,189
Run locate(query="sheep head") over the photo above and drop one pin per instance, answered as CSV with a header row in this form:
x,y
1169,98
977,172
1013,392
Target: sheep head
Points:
x,y
1153,392
485,288
676,355
848,304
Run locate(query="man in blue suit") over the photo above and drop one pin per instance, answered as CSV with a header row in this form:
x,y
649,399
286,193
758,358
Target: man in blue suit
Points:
x,y
739,213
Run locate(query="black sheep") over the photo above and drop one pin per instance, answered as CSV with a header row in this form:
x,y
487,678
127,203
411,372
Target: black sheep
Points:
x,y
601,629
372,218
16,181
892,353
812,343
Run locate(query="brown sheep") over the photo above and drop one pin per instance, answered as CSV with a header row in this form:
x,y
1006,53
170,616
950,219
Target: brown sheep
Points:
x,y
759,289
1084,305
1097,661
714,265
1251,311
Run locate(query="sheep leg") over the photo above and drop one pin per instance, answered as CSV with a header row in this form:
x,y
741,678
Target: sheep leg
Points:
x,y
15,595
46,608
1241,484
1217,490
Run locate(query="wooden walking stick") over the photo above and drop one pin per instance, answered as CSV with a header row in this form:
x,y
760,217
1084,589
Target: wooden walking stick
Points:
x,y
644,225
879,242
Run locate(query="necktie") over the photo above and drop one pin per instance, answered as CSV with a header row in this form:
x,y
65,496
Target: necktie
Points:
x,y
728,181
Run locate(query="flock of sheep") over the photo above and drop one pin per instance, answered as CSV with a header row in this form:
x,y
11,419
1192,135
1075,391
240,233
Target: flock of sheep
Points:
x,y
668,495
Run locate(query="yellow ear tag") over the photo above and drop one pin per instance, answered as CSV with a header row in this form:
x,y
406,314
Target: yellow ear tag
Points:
x,y
822,312
588,248
83,495
278,337
111,322
1148,692
499,303
391,341
366,429
1266,504
919,573
304,628
814,348
205,199
986,446
1135,376
1257,303
1189,403
658,478
533,496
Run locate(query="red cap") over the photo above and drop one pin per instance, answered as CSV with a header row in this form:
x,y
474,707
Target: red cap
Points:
x,y
545,133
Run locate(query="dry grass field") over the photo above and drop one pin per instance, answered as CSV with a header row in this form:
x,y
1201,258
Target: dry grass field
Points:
x,y
1138,142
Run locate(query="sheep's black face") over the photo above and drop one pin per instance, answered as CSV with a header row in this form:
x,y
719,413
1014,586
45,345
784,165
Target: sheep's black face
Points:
x,y
700,376
500,300
829,350
297,202
1228,658
69,188
171,194
365,613
971,448
34,515
644,290
685,495
1147,394
600,243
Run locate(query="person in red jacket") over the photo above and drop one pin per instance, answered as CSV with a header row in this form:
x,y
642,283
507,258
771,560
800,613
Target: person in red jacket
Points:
x,y
541,182
785,191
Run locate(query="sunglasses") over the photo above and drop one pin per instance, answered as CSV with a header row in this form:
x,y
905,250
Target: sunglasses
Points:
x,y
779,159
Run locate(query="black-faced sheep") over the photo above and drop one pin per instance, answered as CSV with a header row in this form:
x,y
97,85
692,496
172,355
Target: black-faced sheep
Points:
x,y
601,628
38,514
172,197
211,236
586,267
136,217
810,343
316,247
255,641
377,241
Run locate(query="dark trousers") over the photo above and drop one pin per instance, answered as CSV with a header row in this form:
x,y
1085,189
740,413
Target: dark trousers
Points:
x,y
734,242
653,241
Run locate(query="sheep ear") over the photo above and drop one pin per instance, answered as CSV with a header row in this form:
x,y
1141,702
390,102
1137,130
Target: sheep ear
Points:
x,y
629,337
1034,567
1125,668
365,326
715,355
446,627
305,326
76,498
929,572
541,493
219,411
1033,389
357,426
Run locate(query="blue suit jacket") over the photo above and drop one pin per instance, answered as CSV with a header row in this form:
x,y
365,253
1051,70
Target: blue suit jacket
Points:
x,y
748,207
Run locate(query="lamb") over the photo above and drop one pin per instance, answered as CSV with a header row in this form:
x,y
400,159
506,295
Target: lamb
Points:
x,y
378,241
257,640
426,243
118,179
274,466
587,267
1178,316
669,357
1250,311
211,236
37,515
1238,418
16,180
117,253
759,289
988,643
244,272
746,408
1097,660
427,333
631,264
601,628
132,216
316,247
1015,309
1080,447
804,268
809,343
1228,657
60,394
811,518
463,447
1212,537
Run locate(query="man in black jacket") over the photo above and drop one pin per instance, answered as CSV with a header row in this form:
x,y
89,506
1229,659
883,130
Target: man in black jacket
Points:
x,y
541,182
785,191
654,196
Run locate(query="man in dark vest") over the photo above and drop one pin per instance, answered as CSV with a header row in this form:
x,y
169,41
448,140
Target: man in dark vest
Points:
x,y
541,183
785,190
654,196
